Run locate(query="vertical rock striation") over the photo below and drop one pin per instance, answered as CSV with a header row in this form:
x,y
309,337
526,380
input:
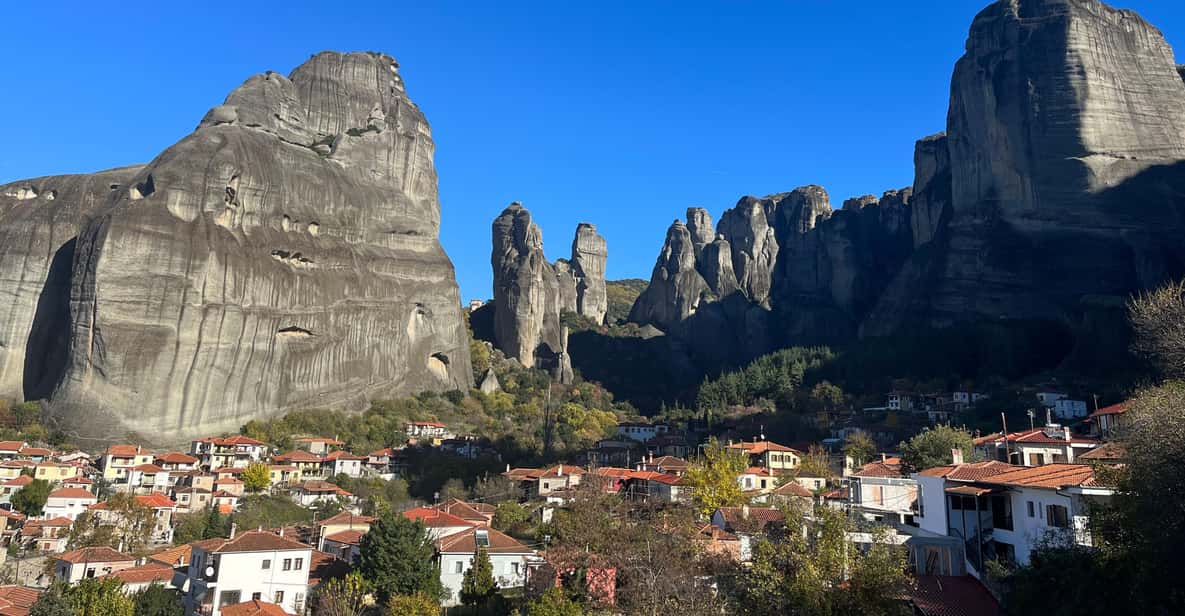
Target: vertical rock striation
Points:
x,y
589,254
282,256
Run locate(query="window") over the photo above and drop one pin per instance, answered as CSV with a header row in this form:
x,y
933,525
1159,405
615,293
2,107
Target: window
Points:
x,y
279,597
256,596
1002,511
267,563
1030,507
288,564
459,567
1056,516
90,572
514,568
481,538
1036,459
299,564
1005,552
228,597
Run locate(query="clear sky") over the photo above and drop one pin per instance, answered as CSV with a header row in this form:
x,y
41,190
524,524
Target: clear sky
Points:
x,y
617,112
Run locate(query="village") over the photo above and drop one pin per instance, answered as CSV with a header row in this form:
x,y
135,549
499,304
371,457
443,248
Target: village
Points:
x,y
995,503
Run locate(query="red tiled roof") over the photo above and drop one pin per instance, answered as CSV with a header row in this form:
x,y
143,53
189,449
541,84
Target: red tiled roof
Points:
x,y
148,468
345,517
461,509
253,608
79,480
72,493
101,554
1047,476
879,469
322,487
760,447
465,542
341,455
175,457
156,501
761,515
1036,435
124,451
173,557
22,480
561,470
230,440
759,471
522,474
11,445
1114,409
793,488
297,455
323,566
35,451
386,451
670,462
945,595
671,480
144,574
349,537
428,424
16,600
434,518
250,541
971,471
716,533
60,521
1107,452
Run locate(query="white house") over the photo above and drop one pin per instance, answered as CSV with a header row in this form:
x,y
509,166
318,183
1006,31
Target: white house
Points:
x,y
427,430
309,492
456,553
76,565
342,463
1107,420
234,451
1049,398
641,432
440,524
251,565
881,492
1069,409
1046,445
68,503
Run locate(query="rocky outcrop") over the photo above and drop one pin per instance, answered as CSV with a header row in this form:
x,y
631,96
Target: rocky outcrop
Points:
x,y
532,295
1060,177
282,256
699,224
589,253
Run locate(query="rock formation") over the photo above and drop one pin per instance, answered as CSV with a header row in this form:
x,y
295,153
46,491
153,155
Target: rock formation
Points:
x,y
282,256
531,295
1059,177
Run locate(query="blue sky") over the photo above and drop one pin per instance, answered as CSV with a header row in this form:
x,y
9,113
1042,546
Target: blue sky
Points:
x,y
619,113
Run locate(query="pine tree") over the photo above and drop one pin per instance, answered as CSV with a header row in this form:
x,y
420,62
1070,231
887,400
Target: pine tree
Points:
x,y
52,603
397,557
477,585
156,600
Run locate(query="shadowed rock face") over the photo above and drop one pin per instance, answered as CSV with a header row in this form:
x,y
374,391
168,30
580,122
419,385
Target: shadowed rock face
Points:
x,y
282,256
1060,176
589,253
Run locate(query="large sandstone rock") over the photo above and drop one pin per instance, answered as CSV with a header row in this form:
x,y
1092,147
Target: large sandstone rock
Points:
x,y
282,256
589,253
676,286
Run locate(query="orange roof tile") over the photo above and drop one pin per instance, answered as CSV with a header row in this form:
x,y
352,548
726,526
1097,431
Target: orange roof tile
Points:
x,y
101,554
971,471
1114,409
124,451
175,457
879,469
254,607
349,537
16,600
465,542
72,493
250,541
345,517
1047,476
761,447
174,556
144,574
793,488
434,518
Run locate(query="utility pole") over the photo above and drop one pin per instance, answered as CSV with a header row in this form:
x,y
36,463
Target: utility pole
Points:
x,y
547,422
1007,451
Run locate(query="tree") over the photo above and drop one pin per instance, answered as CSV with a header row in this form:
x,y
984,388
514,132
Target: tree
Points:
x,y
413,605
192,527
397,556
859,447
156,600
126,525
99,597
712,478
819,572
932,447
477,585
554,602
510,514
1158,326
30,500
816,463
52,603
346,596
256,477
453,488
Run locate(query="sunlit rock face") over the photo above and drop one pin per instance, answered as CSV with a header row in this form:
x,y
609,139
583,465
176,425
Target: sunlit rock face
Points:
x,y
282,256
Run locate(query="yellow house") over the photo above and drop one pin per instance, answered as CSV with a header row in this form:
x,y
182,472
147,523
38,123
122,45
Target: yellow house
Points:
x,y
119,460
770,455
284,474
53,472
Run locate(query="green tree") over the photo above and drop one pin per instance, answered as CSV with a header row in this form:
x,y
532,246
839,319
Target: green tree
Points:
x,y
346,596
712,478
191,527
52,603
257,477
413,605
932,447
816,463
1158,324
554,602
156,600
100,597
30,500
859,447
397,556
509,515
477,585
126,526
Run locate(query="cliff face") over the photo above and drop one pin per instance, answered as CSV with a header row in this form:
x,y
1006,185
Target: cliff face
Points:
x,y
282,256
531,295
1059,177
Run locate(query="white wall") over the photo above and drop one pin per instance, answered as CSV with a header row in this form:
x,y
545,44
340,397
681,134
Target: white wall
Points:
x,y
504,574
932,497
244,572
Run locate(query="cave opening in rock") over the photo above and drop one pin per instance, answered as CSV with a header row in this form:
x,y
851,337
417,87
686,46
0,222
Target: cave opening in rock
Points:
x,y
46,350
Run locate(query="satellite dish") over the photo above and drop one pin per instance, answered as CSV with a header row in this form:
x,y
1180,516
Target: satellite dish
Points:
x,y
210,571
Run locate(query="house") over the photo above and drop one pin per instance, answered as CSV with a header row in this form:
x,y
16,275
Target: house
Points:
x,y
36,454
1066,408
667,488
457,551
175,556
949,595
317,445
480,514
10,449
148,479
558,478
192,499
284,474
11,469
140,577
251,566
663,464
307,493
68,503
54,472
716,541
881,492
10,526
9,487
176,461
78,481
17,600
380,461
1106,421
1046,445
118,460
438,523
791,492
230,485
641,432
1004,512
346,520
46,535
76,565
224,501
343,544
757,480
431,431
900,401
1048,399
254,607
342,463
307,464
768,454
234,451
746,519
162,507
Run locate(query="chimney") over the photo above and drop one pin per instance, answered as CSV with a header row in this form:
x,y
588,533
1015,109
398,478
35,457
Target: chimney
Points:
x,y
560,470
884,457
281,530
1066,432
1048,417
744,512
233,528
508,467
956,456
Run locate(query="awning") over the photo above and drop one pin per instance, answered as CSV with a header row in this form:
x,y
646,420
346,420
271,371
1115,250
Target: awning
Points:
x,y
969,490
